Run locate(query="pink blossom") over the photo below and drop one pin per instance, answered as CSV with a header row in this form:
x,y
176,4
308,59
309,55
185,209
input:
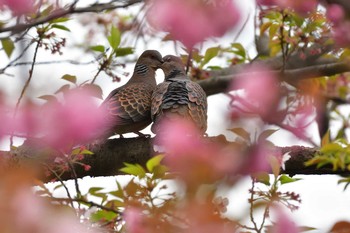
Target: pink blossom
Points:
x,y
32,214
193,158
300,6
19,7
76,121
341,34
261,89
134,220
283,223
192,21
335,13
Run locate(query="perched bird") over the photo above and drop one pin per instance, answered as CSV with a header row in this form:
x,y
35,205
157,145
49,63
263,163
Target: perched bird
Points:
x,y
178,97
129,107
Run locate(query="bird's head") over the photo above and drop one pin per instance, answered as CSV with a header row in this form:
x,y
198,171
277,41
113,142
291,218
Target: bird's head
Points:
x,y
151,58
171,65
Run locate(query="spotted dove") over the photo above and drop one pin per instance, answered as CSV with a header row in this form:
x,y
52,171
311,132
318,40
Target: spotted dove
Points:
x,y
128,107
178,97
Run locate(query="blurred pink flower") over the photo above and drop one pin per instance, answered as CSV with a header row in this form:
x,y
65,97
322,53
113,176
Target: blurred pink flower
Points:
x,y
76,121
335,13
261,89
300,6
341,34
195,159
283,223
32,214
134,220
192,21
19,7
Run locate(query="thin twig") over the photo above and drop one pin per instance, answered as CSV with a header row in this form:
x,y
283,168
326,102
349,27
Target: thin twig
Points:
x,y
31,71
70,199
251,215
64,12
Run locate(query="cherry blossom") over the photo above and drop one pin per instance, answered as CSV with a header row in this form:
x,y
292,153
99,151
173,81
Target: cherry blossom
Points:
x,y
19,7
192,21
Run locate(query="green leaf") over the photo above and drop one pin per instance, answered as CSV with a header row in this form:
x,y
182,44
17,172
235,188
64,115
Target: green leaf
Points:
x,y
275,165
239,49
241,133
98,48
265,134
60,20
70,78
134,169
8,46
61,27
48,98
94,89
103,215
120,52
63,89
262,177
114,38
154,162
210,53
284,179
95,189
326,138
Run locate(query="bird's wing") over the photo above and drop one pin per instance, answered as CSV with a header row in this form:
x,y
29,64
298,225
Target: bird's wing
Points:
x,y
197,104
130,103
157,99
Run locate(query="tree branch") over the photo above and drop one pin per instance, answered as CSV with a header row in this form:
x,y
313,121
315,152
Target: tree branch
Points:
x,y
108,158
98,8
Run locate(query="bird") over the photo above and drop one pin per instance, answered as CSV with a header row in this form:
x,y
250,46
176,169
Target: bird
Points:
x,y
178,97
128,107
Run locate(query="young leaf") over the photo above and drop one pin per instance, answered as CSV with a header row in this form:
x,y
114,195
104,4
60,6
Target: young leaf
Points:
x,y
134,169
98,48
48,98
154,162
284,179
241,133
210,53
8,46
326,138
70,78
265,134
239,49
262,177
61,27
114,38
120,52
95,90
63,89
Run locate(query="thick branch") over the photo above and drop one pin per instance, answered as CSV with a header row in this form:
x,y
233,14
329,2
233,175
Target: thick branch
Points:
x,y
112,155
220,83
98,8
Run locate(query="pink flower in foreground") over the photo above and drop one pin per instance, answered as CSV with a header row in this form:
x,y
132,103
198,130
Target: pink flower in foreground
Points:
x,y
300,6
19,7
76,121
261,89
283,223
193,158
134,220
341,34
192,21
32,214
335,13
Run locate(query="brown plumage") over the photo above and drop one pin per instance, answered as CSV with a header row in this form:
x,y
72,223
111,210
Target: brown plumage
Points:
x,y
178,97
129,106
